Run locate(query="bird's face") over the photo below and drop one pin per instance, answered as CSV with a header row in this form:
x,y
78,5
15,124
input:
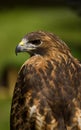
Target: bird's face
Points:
x,y
28,46
31,43
40,43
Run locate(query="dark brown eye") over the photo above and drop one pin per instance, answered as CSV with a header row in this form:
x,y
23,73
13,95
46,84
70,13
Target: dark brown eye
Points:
x,y
36,42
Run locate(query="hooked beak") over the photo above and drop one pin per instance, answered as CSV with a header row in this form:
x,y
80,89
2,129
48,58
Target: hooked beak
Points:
x,y
19,47
24,47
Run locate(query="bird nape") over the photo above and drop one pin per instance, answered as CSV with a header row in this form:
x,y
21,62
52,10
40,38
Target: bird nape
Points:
x,y
47,94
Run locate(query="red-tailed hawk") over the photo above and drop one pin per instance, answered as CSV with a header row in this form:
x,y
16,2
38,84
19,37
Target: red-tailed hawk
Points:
x,y
47,94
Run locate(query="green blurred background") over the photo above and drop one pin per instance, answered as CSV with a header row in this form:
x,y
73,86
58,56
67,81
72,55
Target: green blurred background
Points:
x,y
18,19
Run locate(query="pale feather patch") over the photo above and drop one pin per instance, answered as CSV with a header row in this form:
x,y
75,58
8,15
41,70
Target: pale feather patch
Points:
x,y
76,120
78,116
53,124
40,123
32,111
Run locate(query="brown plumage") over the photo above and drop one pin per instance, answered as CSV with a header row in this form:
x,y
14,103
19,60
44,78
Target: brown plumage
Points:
x,y
47,94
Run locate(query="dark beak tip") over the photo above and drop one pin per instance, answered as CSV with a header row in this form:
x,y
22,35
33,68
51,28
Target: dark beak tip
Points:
x,y
16,50
19,48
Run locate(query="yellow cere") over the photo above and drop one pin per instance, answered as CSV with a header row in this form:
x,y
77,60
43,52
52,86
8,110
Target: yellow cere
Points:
x,y
21,43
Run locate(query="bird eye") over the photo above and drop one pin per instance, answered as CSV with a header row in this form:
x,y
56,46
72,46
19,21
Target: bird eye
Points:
x,y
36,42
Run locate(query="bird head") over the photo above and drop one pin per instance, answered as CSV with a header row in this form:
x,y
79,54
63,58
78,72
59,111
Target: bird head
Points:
x,y
40,43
